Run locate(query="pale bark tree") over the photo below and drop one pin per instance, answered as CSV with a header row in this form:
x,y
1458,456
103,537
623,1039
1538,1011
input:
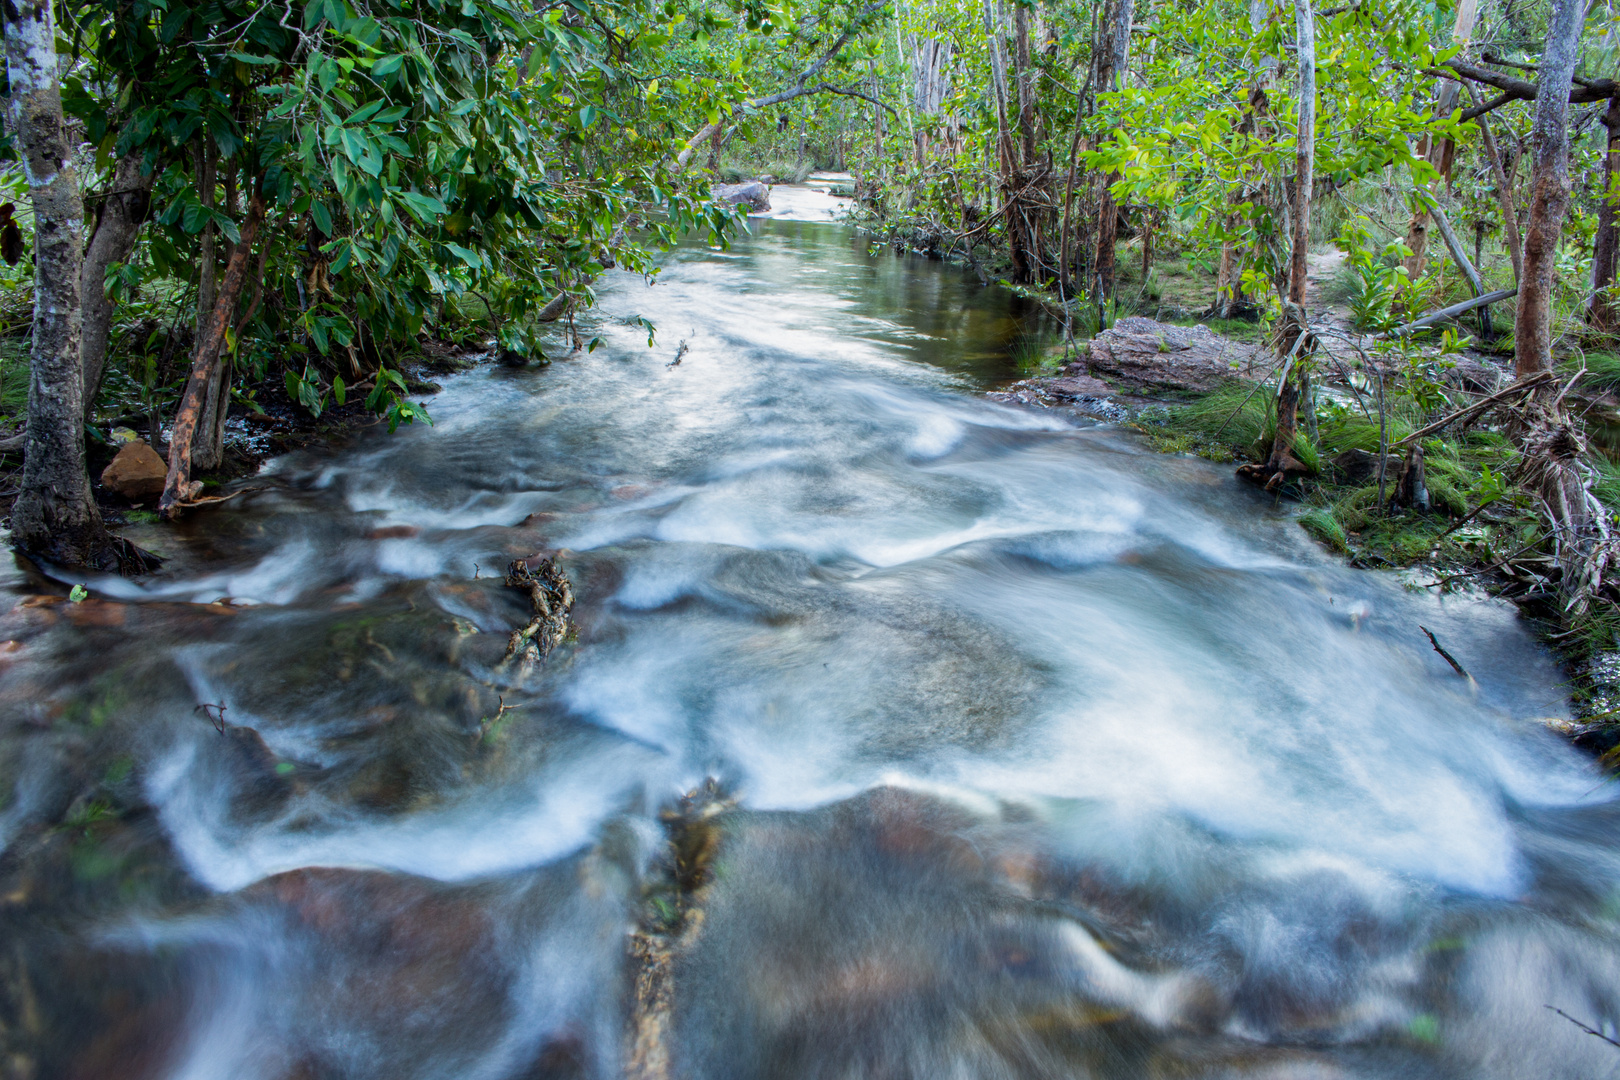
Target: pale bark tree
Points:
x,y
1293,328
54,516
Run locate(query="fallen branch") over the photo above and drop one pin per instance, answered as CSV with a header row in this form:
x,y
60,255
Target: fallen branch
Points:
x,y
1452,660
1521,385
1589,1030
1447,312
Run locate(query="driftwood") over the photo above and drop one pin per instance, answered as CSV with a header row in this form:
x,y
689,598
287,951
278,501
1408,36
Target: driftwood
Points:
x,y
1449,312
551,599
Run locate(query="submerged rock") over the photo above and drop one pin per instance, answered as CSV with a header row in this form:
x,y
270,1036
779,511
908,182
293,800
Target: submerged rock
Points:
x,y
1139,353
136,473
751,193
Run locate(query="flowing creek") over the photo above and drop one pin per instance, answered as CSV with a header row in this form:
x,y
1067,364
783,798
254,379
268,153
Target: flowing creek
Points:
x,y
1033,753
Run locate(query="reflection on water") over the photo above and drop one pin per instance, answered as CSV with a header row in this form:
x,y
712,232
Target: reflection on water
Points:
x,y
1049,757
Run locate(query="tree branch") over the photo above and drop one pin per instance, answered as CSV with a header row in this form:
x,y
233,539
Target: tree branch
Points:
x,y
801,86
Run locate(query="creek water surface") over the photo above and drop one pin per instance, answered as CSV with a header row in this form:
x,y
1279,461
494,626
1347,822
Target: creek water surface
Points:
x,y
1040,755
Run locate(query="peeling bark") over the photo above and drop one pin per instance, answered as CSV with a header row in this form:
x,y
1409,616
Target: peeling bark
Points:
x,y
205,362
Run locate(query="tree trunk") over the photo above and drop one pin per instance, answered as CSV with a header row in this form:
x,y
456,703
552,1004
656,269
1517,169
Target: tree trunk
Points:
x,y
54,516
1549,191
1292,328
1439,154
1025,79
117,226
1604,312
1112,58
1504,192
205,363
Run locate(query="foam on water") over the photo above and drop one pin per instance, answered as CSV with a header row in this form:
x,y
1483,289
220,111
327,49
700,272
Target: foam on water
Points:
x,y
949,658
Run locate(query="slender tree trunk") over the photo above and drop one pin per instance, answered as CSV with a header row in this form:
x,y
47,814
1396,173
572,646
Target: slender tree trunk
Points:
x,y
1293,327
1438,153
54,516
1113,56
205,362
117,226
1504,191
1549,191
1604,312
1025,83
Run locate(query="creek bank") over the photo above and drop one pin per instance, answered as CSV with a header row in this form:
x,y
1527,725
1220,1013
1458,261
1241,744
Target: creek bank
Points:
x,y
1190,390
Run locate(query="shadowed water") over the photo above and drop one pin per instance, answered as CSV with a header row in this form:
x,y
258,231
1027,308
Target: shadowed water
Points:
x,y
1050,757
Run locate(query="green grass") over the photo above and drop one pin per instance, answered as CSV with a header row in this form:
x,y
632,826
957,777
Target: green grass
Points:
x,y
13,380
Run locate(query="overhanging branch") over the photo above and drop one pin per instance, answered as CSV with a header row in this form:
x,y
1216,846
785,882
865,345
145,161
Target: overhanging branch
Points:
x,y
801,86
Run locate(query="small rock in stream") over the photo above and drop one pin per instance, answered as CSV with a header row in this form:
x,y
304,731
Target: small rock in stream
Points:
x,y
137,472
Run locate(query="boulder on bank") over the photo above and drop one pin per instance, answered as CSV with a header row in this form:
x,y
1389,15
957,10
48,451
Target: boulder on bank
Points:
x,y
1141,354
136,473
750,193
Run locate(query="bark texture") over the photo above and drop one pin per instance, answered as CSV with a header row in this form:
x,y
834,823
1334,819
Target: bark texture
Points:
x,y
1549,191
54,516
205,368
117,226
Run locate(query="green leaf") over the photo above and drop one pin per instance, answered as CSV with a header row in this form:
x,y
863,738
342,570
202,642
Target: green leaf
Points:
x,y
423,206
340,393
387,66
323,217
466,255
78,593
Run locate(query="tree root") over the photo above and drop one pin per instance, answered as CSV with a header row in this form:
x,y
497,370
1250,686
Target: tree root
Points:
x,y
1584,544
551,598
671,920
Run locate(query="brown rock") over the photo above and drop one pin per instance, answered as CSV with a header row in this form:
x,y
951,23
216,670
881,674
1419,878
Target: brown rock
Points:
x,y
1078,386
136,473
1360,466
1141,353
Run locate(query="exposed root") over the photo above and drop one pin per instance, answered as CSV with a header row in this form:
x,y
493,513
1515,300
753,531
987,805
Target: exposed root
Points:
x,y
551,598
1584,542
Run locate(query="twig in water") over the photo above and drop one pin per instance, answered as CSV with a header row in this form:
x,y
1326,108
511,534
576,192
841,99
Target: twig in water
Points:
x,y
680,351
217,717
1589,1030
1452,660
